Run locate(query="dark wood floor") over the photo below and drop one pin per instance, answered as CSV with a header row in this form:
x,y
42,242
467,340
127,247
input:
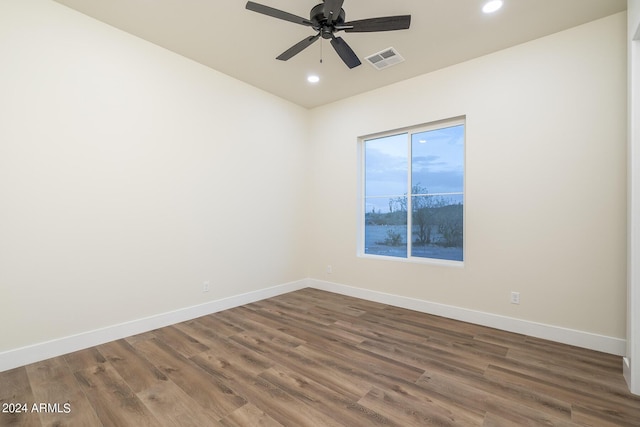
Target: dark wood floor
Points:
x,y
313,358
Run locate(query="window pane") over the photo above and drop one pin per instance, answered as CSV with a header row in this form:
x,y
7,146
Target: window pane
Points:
x,y
437,160
437,227
385,230
437,185
386,166
418,173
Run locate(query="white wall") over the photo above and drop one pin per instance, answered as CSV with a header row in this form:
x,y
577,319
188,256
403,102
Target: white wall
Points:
x,y
129,175
631,362
545,181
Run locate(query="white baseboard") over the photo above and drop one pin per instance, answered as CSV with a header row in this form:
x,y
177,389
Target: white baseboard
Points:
x,y
45,350
582,339
626,370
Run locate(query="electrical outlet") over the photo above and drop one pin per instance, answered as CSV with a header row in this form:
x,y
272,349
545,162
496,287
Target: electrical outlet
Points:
x,y
515,297
205,286
329,269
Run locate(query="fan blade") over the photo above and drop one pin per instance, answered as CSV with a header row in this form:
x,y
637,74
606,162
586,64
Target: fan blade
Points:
x,y
297,48
387,23
347,55
276,13
332,9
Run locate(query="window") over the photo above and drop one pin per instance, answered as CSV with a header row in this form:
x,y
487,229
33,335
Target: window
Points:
x,y
413,193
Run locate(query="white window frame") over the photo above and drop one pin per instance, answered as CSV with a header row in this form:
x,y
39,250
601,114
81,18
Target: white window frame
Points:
x,y
361,211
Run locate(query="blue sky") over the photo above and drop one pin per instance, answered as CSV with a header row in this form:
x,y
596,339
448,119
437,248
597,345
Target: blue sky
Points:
x,y
437,163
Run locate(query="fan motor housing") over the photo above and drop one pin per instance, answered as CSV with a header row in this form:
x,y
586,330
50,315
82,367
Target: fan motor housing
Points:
x,y
320,22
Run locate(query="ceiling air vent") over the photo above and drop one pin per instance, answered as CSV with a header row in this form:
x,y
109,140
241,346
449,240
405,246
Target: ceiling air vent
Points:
x,y
385,58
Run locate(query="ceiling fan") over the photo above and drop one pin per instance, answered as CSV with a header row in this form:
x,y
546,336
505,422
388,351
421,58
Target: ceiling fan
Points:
x,y
327,18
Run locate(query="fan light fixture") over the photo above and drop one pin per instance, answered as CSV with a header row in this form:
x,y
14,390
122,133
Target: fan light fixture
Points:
x,y
492,6
313,78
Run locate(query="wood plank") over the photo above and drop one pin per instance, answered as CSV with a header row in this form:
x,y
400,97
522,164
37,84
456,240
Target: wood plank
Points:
x,y
305,333
422,356
228,356
214,324
84,359
183,343
296,359
363,358
412,410
212,394
487,396
573,388
511,419
15,389
569,392
135,369
602,417
141,337
53,383
321,337
112,399
344,375
325,400
249,415
269,398
251,321
171,406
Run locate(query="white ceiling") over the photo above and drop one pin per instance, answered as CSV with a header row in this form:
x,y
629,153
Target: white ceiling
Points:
x,y
225,36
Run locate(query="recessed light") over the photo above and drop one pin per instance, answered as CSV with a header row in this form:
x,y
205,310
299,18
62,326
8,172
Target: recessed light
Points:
x,y
492,6
313,78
